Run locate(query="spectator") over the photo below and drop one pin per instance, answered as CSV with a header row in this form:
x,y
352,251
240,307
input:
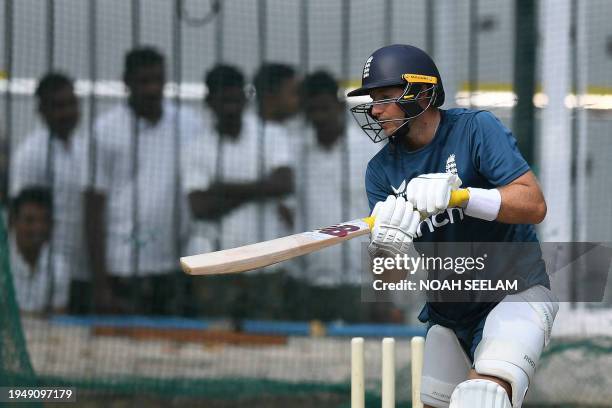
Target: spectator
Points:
x,y
336,151
277,97
136,216
55,156
225,186
277,92
40,279
224,164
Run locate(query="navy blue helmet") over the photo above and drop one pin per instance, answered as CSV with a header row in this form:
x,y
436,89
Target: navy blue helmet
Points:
x,y
403,66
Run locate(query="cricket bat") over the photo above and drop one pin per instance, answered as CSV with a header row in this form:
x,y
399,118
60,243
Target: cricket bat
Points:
x,y
261,254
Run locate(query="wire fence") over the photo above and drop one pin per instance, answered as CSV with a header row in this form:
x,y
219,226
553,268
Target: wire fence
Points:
x,y
126,160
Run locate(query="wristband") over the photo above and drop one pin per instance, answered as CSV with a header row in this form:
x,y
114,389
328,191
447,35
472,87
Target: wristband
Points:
x,y
483,203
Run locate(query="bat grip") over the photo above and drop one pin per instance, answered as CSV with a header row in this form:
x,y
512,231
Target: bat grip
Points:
x,y
457,199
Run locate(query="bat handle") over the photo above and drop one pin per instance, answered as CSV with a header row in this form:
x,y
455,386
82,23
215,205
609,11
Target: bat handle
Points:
x,y
457,199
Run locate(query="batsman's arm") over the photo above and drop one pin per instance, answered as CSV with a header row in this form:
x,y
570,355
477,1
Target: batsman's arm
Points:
x,y
522,201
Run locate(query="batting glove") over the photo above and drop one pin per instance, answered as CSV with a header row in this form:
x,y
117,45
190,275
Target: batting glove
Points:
x,y
430,193
394,228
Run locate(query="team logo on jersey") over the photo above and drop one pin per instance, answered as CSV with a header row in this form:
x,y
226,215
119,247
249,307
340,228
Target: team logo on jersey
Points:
x,y
451,166
366,67
401,190
448,216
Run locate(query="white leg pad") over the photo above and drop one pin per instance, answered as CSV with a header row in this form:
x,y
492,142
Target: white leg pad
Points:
x,y
509,372
514,335
445,365
479,394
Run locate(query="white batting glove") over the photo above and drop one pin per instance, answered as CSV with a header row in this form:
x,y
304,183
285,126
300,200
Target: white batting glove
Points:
x,y
430,193
394,228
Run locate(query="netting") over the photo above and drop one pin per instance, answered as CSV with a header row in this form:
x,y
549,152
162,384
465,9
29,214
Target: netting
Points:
x,y
15,366
131,193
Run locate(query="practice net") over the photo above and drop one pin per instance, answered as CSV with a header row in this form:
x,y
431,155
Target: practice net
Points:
x,y
280,337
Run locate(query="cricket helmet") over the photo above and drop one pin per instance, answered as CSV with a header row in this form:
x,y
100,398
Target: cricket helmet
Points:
x,y
403,66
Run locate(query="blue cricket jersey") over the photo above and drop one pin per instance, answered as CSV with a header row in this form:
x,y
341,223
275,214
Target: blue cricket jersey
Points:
x,y
477,147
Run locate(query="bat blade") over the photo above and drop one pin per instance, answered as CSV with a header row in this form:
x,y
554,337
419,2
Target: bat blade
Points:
x,y
261,254
266,253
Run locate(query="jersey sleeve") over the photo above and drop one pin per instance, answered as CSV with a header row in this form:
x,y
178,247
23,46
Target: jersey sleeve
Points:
x,y
375,185
494,150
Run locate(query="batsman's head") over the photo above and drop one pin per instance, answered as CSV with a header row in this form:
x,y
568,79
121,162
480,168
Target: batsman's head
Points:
x,y
403,82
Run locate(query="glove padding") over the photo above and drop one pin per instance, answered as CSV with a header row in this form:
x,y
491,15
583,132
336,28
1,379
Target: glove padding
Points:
x,y
394,228
430,193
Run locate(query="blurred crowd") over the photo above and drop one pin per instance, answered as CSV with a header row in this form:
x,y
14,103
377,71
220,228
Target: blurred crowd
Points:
x,y
98,218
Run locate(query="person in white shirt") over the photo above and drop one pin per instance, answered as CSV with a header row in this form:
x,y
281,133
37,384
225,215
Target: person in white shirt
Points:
x,y
55,156
40,278
330,189
277,98
222,167
226,188
137,215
